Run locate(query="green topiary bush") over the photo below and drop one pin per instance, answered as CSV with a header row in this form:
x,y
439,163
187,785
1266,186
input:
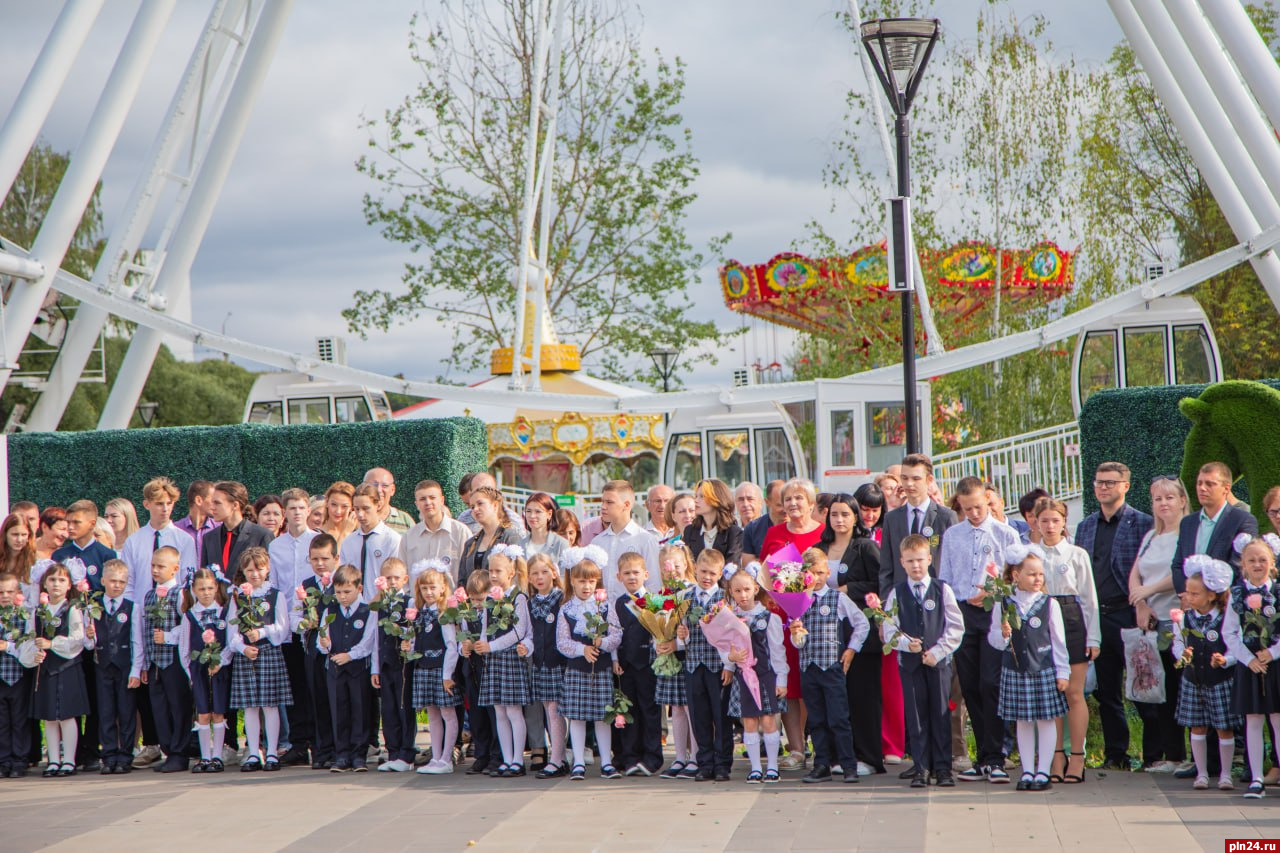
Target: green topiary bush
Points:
x,y
55,468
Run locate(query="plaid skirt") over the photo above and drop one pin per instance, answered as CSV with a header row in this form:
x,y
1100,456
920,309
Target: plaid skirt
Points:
x,y
210,695
739,696
428,690
1255,694
261,683
587,695
548,683
506,679
671,690
1207,706
1030,695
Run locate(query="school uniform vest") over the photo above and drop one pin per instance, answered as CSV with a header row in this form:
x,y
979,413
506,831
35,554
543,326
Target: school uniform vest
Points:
x,y
10,669
634,649
160,654
1203,648
759,625
1030,646
429,641
268,617
697,651
389,645
822,645
924,619
344,635
55,663
207,620
581,664
1249,634
543,610
115,636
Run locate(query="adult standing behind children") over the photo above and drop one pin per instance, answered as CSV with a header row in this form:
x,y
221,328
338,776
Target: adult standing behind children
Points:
x,y
753,532
495,528
1112,537
1214,529
235,533
381,479
436,536
53,532
715,526
197,522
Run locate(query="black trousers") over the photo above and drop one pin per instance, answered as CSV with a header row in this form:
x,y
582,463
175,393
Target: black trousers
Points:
x,y
317,688
142,697
641,740
1110,693
15,722
862,685
1162,738
926,692
348,685
172,705
87,748
117,715
827,704
480,721
977,664
709,716
399,722
302,721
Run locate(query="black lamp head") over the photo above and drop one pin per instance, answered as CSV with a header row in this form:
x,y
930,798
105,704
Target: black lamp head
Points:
x,y
899,49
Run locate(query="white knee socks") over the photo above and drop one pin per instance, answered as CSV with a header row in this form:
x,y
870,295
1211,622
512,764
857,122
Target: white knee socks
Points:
x,y
252,733
578,738
53,741
503,725
1047,735
604,743
1036,739
1200,753
1226,754
1027,744
206,741
219,738
70,737
443,726
1253,739
772,745
751,740
272,717
682,734
515,714
555,723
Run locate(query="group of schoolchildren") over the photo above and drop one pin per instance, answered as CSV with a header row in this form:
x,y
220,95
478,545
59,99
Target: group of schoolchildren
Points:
x,y
382,640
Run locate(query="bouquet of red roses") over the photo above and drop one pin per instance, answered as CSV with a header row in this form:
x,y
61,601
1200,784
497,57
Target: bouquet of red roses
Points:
x,y
661,615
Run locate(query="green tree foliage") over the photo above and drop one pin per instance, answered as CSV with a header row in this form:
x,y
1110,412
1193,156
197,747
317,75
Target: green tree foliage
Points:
x,y
28,201
448,165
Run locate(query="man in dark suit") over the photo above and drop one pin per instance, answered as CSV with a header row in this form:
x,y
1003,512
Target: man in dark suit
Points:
x,y
1111,537
1214,528
930,519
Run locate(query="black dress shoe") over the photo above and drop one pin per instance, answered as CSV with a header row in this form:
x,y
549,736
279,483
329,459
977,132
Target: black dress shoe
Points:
x,y
851,776
477,769
1116,764
944,779
295,757
106,770
910,773
722,775
174,764
704,775
91,765
919,781
819,773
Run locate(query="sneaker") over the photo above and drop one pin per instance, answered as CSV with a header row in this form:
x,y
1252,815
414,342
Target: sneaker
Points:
x,y
997,776
397,766
893,759
976,773
864,769
1225,783
147,756
792,761
1201,783
634,770
438,768
1256,791
836,768
1160,767
230,757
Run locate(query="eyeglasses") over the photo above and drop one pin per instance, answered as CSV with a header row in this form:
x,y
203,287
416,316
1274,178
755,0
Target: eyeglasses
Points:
x,y
1108,484
1273,512
1172,478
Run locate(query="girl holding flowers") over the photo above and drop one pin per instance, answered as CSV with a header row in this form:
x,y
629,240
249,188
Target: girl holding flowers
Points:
x,y
548,664
258,622
60,694
770,666
586,630
677,567
1250,630
1207,665
434,688
205,655
505,642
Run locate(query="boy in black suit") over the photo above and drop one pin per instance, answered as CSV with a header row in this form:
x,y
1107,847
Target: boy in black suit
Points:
x,y
640,750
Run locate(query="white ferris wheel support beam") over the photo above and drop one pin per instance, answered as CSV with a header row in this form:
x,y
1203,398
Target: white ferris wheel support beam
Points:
x,y
1205,129
188,125
1250,53
83,171
190,230
22,125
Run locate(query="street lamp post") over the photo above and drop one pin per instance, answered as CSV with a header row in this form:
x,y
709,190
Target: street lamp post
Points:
x,y
664,361
147,413
899,49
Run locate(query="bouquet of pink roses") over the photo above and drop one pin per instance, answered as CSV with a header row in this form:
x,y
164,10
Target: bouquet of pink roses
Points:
x,y
726,631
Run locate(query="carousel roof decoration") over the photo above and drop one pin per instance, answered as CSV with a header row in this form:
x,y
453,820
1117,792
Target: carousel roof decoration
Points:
x,y
829,296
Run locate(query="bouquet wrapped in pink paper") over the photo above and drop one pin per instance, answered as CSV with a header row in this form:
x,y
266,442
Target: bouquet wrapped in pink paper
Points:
x,y
726,632
790,587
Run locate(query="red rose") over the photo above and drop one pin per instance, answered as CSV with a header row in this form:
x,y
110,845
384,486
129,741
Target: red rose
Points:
x,y
669,604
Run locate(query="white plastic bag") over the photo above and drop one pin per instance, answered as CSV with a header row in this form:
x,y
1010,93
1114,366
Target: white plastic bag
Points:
x,y
1090,680
1143,672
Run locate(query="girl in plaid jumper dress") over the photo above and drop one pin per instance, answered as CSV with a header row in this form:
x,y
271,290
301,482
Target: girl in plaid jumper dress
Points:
x,y
505,643
586,630
1252,629
1204,698
548,663
677,570
204,623
1035,669
258,622
434,687
759,721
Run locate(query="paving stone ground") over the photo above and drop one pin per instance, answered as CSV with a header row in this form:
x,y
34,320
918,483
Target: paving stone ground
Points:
x,y
305,810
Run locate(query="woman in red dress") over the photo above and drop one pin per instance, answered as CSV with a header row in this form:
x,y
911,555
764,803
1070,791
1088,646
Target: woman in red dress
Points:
x,y
801,530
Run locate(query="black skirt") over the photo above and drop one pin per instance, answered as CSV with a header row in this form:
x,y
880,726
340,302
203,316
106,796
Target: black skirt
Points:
x,y
61,695
1073,627
1255,694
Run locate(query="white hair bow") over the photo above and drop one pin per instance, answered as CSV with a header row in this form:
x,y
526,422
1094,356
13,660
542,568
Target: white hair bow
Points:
x,y
1243,539
431,565
511,552
731,569
1017,553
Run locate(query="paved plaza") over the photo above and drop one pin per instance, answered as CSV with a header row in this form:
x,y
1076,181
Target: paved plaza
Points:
x,y
299,810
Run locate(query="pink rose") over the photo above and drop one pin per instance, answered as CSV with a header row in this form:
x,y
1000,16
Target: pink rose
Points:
x,y
619,721
668,566
246,589
208,636
18,598
301,593
873,601
381,584
1176,615
451,602
601,595
808,578
460,594
326,578
82,586
1253,602
495,592
44,598
993,571
778,585
162,591
411,614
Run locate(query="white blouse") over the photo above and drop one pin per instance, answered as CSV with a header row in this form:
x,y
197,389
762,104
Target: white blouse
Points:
x,y
1068,571
1155,562
1024,601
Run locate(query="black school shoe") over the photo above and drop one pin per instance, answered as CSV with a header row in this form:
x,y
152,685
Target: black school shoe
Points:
x,y
251,764
704,774
295,756
851,776
944,779
910,773
1041,782
215,766
673,771
919,781
819,773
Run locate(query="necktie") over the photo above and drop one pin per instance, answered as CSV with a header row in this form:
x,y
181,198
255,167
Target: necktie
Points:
x,y
915,520
364,550
111,608
919,592
155,543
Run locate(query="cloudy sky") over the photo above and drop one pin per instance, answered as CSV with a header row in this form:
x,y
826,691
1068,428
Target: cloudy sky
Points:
x,y
288,238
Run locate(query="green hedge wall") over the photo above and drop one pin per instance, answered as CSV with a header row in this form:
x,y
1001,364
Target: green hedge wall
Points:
x,y
55,468
1143,428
